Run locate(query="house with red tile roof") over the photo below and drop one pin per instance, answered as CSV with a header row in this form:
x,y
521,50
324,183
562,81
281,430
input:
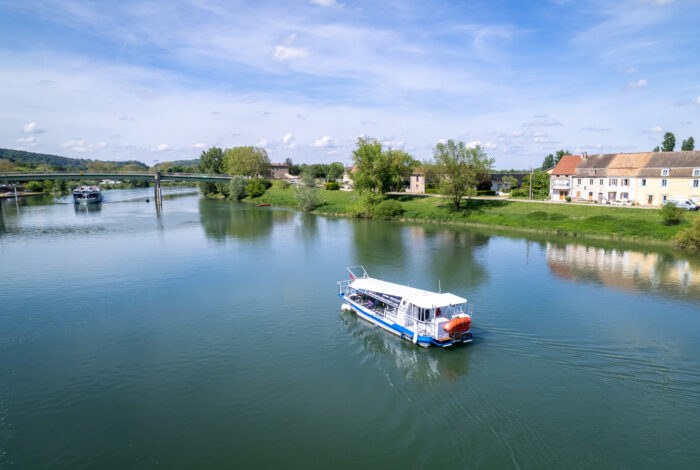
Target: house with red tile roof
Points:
x,y
561,178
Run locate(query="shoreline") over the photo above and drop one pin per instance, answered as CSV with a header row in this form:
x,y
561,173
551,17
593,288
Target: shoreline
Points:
x,y
555,221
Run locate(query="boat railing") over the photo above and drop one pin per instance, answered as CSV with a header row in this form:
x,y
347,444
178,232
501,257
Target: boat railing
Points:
x,y
357,272
344,287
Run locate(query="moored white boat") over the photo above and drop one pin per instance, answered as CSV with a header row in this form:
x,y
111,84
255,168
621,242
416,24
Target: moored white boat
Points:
x,y
423,317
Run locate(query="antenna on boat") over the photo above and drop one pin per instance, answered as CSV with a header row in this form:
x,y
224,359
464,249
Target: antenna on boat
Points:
x,y
439,287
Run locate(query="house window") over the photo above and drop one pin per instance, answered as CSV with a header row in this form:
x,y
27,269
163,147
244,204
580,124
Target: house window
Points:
x,y
644,182
696,172
613,181
650,200
579,181
665,197
624,196
601,182
664,172
590,181
625,182
664,183
695,183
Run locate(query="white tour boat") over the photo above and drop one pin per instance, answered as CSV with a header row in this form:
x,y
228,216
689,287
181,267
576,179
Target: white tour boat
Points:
x,y
87,194
423,317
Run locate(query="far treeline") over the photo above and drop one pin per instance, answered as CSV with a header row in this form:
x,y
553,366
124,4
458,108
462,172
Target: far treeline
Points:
x,y
456,170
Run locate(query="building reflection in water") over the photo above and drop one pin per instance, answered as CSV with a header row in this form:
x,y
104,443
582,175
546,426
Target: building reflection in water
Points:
x,y
664,273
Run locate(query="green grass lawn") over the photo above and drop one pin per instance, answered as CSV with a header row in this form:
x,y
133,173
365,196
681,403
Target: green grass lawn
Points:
x,y
562,219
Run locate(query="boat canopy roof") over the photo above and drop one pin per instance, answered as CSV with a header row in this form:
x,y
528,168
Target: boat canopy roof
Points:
x,y
418,297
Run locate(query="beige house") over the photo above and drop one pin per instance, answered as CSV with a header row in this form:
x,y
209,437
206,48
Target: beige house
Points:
x,y
417,182
278,171
637,178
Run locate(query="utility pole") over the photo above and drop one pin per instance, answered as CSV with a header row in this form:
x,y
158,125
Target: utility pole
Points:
x,y
530,182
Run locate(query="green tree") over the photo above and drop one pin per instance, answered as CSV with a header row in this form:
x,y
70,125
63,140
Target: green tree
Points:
x,y
237,187
540,185
379,170
97,166
305,194
246,161
210,163
548,162
335,171
688,144
6,165
513,182
669,142
401,165
670,214
133,167
294,170
370,174
256,187
657,149
459,169
551,160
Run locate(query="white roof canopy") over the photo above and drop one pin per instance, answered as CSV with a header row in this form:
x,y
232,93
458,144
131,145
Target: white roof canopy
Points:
x,y
418,297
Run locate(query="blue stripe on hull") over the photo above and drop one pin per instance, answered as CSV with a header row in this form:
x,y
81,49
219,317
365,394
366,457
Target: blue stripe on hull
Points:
x,y
403,332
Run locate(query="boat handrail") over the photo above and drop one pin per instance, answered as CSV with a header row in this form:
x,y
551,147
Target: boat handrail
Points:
x,y
355,276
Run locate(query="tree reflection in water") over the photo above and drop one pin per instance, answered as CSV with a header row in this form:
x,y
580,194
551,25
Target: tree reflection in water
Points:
x,y
222,220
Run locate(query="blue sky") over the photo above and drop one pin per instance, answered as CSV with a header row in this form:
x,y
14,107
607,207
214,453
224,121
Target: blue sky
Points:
x,y
151,80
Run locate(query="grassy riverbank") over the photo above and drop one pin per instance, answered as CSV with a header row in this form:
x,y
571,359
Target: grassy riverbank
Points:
x,y
561,219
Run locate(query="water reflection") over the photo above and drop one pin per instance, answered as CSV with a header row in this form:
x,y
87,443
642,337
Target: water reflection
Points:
x,y
86,209
239,220
416,363
450,255
664,273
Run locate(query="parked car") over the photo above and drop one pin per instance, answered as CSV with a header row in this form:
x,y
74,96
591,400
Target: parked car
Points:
x,y
683,203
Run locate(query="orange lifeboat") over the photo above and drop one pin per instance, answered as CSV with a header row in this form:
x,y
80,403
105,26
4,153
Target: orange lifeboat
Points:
x,y
457,325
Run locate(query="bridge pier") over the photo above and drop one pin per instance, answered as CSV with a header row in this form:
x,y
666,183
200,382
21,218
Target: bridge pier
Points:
x,y
157,189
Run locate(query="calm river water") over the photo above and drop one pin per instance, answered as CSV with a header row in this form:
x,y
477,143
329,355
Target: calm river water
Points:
x,y
211,336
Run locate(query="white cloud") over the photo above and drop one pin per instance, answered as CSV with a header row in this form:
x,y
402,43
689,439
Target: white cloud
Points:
x,y
160,148
324,3
261,143
489,145
323,142
628,70
442,141
33,128
542,120
638,84
288,52
474,144
656,129
287,138
698,101
26,140
199,146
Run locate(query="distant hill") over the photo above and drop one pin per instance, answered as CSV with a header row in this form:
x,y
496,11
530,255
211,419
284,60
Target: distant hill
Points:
x,y
194,162
32,160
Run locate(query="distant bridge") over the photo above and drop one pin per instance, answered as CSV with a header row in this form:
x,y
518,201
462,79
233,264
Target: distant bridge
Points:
x,y
17,177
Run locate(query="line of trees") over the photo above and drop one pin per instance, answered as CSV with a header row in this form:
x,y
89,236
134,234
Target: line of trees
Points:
x,y
669,143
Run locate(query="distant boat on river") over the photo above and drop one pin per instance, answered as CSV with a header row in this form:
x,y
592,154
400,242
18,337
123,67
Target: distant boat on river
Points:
x,y
423,317
87,195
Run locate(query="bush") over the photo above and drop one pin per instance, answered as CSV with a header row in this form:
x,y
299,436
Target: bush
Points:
x,y
257,187
431,191
332,186
388,209
671,215
690,237
306,197
568,198
237,187
280,184
365,205
519,192
34,186
485,192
